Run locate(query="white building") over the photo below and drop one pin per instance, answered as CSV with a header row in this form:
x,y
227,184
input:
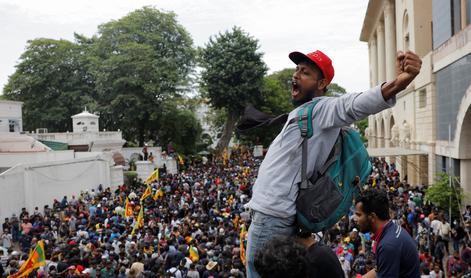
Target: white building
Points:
x,y
32,174
11,116
86,135
431,122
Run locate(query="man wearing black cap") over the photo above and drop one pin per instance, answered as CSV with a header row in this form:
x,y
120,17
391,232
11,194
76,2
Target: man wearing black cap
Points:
x,y
273,202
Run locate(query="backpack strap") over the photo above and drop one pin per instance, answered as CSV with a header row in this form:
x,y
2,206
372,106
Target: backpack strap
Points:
x,y
304,119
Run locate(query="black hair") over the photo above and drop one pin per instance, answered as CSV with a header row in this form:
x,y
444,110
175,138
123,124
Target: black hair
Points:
x,y
281,257
375,200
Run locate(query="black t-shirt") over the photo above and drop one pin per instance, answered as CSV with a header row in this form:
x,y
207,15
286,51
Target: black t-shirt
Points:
x,y
322,262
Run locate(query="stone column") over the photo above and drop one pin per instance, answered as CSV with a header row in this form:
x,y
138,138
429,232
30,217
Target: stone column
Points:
x,y
374,61
465,178
464,8
372,131
381,54
390,39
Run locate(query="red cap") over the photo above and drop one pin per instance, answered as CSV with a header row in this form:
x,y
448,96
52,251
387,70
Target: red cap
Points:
x,y
319,58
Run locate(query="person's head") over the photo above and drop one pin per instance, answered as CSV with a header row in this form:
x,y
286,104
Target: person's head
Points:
x,y
371,210
313,74
281,257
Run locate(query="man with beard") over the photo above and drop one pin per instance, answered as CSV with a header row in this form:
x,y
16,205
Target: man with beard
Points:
x,y
273,202
396,252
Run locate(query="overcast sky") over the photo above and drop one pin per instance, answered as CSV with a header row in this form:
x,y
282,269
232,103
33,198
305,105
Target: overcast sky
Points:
x,y
281,26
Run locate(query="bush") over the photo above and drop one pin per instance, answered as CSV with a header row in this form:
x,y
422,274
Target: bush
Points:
x,y
439,194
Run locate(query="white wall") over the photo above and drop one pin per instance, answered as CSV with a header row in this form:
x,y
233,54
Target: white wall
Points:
x,y
12,192
12,159
39,184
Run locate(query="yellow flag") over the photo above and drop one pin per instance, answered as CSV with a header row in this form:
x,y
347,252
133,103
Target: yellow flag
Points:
x,y
153,177
139,222
180,159
158,194
241,239
225,156
140,218
146,193
36,259
194,256
128,209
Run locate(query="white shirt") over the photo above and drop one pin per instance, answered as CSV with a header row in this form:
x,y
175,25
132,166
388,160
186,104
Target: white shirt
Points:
x,y
436,226
445,229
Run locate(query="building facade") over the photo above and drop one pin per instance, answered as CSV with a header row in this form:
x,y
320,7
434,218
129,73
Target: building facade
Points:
x,y
11,119
432,111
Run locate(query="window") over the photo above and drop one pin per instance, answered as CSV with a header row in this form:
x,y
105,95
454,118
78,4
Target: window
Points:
x,y
92,123
456,16
422,98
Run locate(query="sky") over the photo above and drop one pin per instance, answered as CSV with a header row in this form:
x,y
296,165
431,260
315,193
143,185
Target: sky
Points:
x,y
281,26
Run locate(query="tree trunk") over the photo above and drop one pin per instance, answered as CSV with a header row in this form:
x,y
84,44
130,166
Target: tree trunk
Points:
x,y
227,132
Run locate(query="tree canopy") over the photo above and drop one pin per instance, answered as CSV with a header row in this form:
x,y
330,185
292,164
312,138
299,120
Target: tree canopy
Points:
x,y
133,72
232,75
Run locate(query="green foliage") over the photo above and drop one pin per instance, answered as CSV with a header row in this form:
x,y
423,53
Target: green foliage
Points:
x,y
142,60
233,70
232,76
183,129
440,192
335,90
52,82
126,72
130,178
276,100
362,125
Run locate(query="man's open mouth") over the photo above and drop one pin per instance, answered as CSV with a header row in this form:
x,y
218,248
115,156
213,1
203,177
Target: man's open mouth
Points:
x,y
294,88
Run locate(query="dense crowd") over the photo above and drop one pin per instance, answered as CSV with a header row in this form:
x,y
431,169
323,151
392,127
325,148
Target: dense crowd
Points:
x,y
202,209
88,235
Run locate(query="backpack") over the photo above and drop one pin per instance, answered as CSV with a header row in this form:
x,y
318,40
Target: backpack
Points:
x,y
328,194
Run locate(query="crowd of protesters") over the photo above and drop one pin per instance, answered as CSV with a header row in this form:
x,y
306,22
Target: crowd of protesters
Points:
x,y
88,236
203,208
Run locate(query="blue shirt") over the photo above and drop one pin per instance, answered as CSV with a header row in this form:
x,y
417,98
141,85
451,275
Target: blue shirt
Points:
x,y
396,254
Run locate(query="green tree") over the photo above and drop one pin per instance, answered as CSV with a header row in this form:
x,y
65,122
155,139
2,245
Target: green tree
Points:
x,y
52,82
183,129
335,90
232,76
441,193
275,100
141,61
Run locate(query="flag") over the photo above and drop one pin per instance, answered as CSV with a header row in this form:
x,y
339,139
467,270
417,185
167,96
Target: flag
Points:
x,y
225,156
128,209
180,159
159,193
139,222
194,256
236,221
146,193
140,218
241,239
153,177
36,259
